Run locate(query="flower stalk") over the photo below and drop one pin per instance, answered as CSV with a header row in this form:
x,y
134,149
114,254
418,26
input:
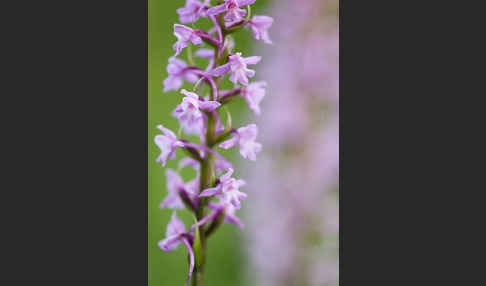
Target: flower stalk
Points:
x,y
213,195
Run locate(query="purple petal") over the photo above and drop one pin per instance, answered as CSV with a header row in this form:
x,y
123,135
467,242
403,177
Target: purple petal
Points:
x,y
235,15
210,192
178,46
190,94
169,243
234,220
221,70
250,73
248,132
240,183
166,131
204,53
172,201
205,219
172,83
216,10
221,165
174,181
242,3
183,31
227,175
209,105
175,65
192,187
175,226
262,21
190,76
215,206
186,16
196,40
191,259
249,150
252,60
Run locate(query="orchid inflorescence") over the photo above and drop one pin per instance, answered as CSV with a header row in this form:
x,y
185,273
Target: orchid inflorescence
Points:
x,y
213,195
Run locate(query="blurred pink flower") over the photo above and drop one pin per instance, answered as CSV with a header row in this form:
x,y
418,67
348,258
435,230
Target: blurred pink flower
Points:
x,y
299,168
259,26
254,94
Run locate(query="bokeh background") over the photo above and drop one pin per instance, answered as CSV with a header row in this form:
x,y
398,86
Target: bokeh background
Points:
x,y
292,240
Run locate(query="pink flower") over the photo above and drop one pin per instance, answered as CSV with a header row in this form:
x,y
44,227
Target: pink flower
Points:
x,y
229,213
191,12
189,112
227,190
259,26
174,185
237,65
175,234
248,146
253,94
220,208
167,144
184,35
246,137
177,70
176,188
174,231
232,9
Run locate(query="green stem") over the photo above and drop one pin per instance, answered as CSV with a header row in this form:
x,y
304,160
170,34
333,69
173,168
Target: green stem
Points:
x,y
198,278
207,180
190,60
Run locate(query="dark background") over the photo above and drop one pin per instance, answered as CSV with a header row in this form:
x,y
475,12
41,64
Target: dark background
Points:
x,y
74,110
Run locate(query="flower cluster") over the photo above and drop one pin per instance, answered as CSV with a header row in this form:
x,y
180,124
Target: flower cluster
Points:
x,y
213,195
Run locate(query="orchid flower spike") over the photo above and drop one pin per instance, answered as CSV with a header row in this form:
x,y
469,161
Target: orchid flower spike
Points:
x,y
199,115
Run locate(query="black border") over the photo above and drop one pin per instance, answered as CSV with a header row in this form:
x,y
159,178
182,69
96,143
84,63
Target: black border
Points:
x,y
77,135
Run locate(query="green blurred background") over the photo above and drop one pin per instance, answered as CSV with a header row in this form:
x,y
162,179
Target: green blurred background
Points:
x,y
226,256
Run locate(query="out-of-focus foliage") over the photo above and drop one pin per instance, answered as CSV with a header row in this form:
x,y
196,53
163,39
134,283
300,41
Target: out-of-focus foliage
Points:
x,y
292,206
